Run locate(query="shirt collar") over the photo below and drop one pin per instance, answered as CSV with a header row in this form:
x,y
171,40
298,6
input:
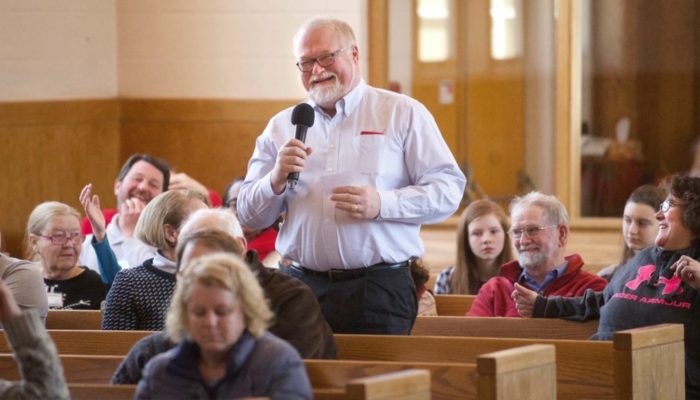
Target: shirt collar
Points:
x,y
551,276
114,233
163,264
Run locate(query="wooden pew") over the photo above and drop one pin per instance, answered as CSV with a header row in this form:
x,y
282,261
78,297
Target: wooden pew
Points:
x,y
408,384
102,391
455,305
528,372
585,368
89,342
74,319
526,328
638,364
549,328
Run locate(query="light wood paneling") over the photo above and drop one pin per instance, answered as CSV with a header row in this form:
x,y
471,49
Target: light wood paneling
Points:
x,y
210,140
49,150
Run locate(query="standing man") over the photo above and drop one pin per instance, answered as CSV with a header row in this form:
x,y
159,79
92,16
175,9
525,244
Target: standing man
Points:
x,y
373,169
539,230
142,178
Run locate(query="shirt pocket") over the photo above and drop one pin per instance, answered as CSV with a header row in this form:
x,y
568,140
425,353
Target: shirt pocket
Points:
x,y
370,152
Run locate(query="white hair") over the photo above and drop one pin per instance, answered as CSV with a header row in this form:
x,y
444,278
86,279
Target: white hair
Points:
x,y
222,219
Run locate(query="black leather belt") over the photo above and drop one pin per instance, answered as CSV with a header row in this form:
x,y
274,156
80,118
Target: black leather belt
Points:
x,y
347,274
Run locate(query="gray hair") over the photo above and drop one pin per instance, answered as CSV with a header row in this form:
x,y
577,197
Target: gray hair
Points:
x,y
554,211
342,28
222,219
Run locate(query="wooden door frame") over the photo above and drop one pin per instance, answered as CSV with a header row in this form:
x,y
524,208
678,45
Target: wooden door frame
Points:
x,y
567,168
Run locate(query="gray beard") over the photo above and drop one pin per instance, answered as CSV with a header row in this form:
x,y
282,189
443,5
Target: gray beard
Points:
x,y
530,260
327,97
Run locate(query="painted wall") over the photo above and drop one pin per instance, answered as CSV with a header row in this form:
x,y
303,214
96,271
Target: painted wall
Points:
x,y
57,49
79,49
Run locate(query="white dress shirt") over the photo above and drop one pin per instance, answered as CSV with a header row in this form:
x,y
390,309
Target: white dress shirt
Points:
x,y
379,138
129,251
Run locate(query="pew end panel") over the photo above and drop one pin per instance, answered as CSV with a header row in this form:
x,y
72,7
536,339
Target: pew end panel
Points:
x,y
447,380
402,385
527,373
650,363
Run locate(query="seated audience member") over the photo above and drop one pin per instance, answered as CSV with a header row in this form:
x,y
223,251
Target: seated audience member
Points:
x,y
426,300
539,230
26,282
260,240
139,297
182,181
42,373
219,316
298,318
659,285
639,224
106,260
142,178
482,247
53,239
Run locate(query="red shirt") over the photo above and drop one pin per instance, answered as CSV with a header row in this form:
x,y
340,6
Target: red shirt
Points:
x,y
493,299
264,243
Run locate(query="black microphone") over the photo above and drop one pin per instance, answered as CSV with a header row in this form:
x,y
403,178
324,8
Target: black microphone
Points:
x,y
303,118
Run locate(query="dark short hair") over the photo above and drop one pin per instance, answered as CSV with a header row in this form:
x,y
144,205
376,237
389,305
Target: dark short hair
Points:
x,y
225,200
687,190
161,165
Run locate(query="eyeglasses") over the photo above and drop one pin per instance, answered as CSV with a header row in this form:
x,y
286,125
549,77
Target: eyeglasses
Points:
x,y
667,204
325,60
529,231
232,204
61,238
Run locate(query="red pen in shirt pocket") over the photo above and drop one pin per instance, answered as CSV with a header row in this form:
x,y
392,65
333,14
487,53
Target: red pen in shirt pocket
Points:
x,y
371,133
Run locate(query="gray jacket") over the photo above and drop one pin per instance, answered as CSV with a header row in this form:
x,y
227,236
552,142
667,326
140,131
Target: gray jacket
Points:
x,y
258,367
26,282
42,373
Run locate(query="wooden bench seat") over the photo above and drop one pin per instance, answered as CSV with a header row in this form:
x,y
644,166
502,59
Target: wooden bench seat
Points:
x,y
584,368
402,385
528,372
533,328
637,363
74,319
425,326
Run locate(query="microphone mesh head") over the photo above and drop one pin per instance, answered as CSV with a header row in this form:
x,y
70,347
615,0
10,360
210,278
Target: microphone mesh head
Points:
x,y
303,114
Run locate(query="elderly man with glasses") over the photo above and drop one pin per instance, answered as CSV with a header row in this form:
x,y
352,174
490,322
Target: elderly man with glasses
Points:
x,y
373,168
539,231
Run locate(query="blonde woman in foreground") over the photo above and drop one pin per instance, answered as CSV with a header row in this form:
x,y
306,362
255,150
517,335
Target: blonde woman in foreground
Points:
x,y
219,316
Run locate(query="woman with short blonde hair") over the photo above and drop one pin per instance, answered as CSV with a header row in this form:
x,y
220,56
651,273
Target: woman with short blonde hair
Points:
x,y
219,316
139,297
226,271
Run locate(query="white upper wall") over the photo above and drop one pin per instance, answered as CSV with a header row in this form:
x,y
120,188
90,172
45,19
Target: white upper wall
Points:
x,y
218,48
57,49
76,49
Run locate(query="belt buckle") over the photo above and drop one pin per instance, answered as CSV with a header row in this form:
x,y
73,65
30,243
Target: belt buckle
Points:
x,y
335,274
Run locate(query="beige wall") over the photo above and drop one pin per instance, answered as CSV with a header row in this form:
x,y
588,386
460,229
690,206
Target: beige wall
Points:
x,y
57,49
218,49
